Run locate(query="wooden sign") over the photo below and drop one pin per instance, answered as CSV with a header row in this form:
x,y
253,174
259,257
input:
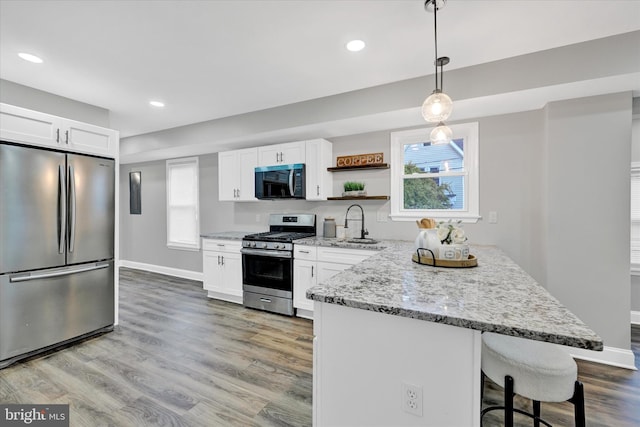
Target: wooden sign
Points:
x,y
359,160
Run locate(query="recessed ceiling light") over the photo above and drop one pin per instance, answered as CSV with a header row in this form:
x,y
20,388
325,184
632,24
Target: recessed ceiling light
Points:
x,y
355,45
31,58
158,104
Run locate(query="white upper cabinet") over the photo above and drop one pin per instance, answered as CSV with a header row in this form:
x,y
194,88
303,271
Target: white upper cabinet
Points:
x,y
319,155
282,154
89,139
236,169
32,127
236,175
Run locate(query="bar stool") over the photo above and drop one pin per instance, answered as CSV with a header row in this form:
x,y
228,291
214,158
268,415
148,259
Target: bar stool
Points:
x,y
533,369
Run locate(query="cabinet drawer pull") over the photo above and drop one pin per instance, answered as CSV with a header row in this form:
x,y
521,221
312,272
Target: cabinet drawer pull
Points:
x,y
265,300
304,252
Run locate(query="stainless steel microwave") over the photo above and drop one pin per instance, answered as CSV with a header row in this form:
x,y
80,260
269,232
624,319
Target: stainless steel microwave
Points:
x,y
280,182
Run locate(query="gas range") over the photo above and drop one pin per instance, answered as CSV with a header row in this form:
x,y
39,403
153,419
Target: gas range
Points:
x,y
283,230
267,262
274,240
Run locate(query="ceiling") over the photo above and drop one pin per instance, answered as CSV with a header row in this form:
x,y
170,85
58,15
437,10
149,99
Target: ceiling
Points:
x,y
214,59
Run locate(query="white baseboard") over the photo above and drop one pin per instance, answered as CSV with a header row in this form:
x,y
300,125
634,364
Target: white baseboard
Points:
x,y
175,272
635,317
612,356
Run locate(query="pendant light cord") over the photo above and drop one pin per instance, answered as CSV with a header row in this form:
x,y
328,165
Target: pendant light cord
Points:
x,y
435,31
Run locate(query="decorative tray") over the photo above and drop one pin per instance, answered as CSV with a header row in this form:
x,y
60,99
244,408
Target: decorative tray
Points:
x,y
428,259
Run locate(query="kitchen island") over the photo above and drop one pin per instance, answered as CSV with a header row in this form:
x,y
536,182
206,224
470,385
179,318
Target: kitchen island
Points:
x,y
388,323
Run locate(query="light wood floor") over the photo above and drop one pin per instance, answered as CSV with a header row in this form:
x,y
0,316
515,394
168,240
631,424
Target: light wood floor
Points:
x,y
180,359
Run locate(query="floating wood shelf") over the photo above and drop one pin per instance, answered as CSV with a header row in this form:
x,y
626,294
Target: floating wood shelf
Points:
x,y
359,198
358,168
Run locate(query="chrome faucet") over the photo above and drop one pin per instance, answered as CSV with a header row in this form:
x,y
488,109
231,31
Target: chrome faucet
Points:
x,y
363,232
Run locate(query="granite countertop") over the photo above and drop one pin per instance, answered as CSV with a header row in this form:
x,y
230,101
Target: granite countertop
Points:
x,y
226,235
496,296
335,243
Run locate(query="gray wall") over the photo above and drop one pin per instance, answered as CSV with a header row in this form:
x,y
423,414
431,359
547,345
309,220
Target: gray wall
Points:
x,y
34,99
635,157
587,196
547,173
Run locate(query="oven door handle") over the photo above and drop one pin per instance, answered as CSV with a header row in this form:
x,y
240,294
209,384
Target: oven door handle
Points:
x,y
267,253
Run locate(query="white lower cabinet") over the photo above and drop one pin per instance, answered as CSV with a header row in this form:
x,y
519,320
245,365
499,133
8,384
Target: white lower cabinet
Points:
x,y
222,269
305,273
313,265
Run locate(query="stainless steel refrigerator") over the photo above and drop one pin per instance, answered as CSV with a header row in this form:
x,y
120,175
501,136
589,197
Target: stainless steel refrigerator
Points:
x,y
56,249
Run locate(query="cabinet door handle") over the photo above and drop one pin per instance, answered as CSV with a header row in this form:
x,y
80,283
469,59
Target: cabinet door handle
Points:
x,y
218,259
66,136
312,271
58,135
238,193
222,259
317,190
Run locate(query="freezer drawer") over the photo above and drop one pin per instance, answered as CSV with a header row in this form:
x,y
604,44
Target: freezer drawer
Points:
x,y
37,311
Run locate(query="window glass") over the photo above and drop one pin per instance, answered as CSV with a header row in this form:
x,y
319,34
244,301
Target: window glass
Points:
x,y
435,180
183,225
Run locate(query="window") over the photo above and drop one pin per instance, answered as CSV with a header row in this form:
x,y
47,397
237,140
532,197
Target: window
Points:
x,y
183,218
435,180
635,218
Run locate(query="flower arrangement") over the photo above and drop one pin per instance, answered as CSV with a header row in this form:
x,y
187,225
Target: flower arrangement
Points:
x,y
449,233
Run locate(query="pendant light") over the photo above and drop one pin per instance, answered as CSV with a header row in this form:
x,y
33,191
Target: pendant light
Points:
x,y
438,106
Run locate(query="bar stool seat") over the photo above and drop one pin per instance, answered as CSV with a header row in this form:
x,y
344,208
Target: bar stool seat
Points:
x,y
536,370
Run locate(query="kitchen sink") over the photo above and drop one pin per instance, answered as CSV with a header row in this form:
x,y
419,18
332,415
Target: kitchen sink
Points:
x,y
363,241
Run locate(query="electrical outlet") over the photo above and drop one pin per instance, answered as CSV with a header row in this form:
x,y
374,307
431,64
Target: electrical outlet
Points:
x,y
383,216
412,399
493,217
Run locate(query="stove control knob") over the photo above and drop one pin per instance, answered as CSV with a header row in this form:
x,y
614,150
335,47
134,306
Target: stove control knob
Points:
x,y
277,246
264,244
253,244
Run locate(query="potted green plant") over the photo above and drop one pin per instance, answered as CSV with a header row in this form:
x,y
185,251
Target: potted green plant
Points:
x,y
353,188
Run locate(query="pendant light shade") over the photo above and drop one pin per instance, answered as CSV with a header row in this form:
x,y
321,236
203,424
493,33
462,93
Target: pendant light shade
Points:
x,y
437,107
441,134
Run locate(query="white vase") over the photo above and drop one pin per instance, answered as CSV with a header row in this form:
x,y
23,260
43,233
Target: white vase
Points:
x,y
428,239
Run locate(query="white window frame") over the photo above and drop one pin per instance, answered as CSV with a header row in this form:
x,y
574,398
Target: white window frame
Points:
x,y
470,213
634,214
192,244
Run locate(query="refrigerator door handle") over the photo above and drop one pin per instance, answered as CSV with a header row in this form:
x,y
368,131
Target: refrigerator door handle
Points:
x,y
62,209
57,273
72,208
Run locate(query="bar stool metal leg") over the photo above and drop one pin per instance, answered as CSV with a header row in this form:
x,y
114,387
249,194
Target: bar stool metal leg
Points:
x,y
508,401
536,413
